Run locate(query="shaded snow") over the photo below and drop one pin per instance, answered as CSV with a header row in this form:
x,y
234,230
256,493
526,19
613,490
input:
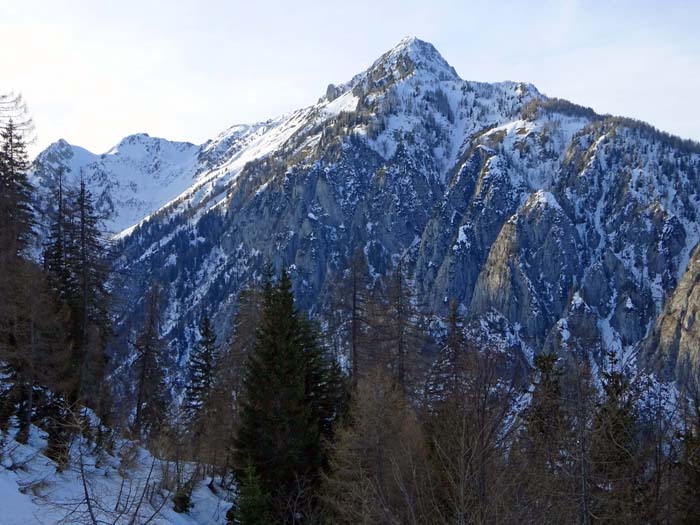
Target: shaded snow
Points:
x,y
33,492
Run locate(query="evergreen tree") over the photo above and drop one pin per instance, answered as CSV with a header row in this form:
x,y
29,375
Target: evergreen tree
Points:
x,y
336,399
252,504
15,229
544,417
284,407
615,450
201,378
32,350
152,398
16,215
324,381
74,258
541,451
32,319
55,251
91,324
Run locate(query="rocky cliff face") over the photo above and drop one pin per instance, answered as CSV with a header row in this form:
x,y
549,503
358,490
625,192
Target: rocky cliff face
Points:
x,y
673,348
555,228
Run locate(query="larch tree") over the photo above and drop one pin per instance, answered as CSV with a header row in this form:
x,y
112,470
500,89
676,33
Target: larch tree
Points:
x,y
446,376
469,429
380,470
351,314
398,332
223,405
686,500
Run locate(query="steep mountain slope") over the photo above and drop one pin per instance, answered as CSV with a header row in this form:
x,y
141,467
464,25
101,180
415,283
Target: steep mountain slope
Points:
x,y
673,347
130,181
554,227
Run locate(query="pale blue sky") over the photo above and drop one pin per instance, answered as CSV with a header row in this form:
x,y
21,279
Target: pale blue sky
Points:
x,y
95,71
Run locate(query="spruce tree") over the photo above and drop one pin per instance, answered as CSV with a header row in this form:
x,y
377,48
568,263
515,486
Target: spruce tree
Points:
x,y
285,409
91,324
252,504
75,259
55,251
152,398
326,390
16,215
31,336
15,231
33,353
544,417
201,369
541,453
615,449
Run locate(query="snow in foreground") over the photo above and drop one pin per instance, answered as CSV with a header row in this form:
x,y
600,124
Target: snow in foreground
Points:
x,y
33,492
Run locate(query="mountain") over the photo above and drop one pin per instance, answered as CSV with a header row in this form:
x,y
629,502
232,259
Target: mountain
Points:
x,y
130,181
555,228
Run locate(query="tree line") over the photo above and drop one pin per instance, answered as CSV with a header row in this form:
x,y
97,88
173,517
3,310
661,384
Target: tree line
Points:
x,y
393,437
344,419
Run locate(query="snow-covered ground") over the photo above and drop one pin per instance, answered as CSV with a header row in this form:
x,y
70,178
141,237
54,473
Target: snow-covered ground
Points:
x,y
32,491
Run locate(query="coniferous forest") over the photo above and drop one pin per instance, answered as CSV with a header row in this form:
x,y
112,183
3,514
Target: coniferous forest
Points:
x,y
305,433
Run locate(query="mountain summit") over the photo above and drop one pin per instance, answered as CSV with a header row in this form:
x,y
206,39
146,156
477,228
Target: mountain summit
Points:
x,y
412,54
553,227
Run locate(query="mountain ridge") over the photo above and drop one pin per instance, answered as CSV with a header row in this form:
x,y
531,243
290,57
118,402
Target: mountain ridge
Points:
x,y
566,229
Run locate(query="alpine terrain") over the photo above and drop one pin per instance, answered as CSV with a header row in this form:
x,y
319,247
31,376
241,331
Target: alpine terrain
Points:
x,y
421,300
553,227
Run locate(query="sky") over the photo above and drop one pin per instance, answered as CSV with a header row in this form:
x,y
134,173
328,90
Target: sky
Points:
x,y
95,71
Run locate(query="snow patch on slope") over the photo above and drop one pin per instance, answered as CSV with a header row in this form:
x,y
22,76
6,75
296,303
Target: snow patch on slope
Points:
x,y
34,492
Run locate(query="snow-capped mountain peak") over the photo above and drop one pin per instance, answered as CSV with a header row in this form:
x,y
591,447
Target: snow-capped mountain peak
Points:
x,y
131,180
412,53
505,200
